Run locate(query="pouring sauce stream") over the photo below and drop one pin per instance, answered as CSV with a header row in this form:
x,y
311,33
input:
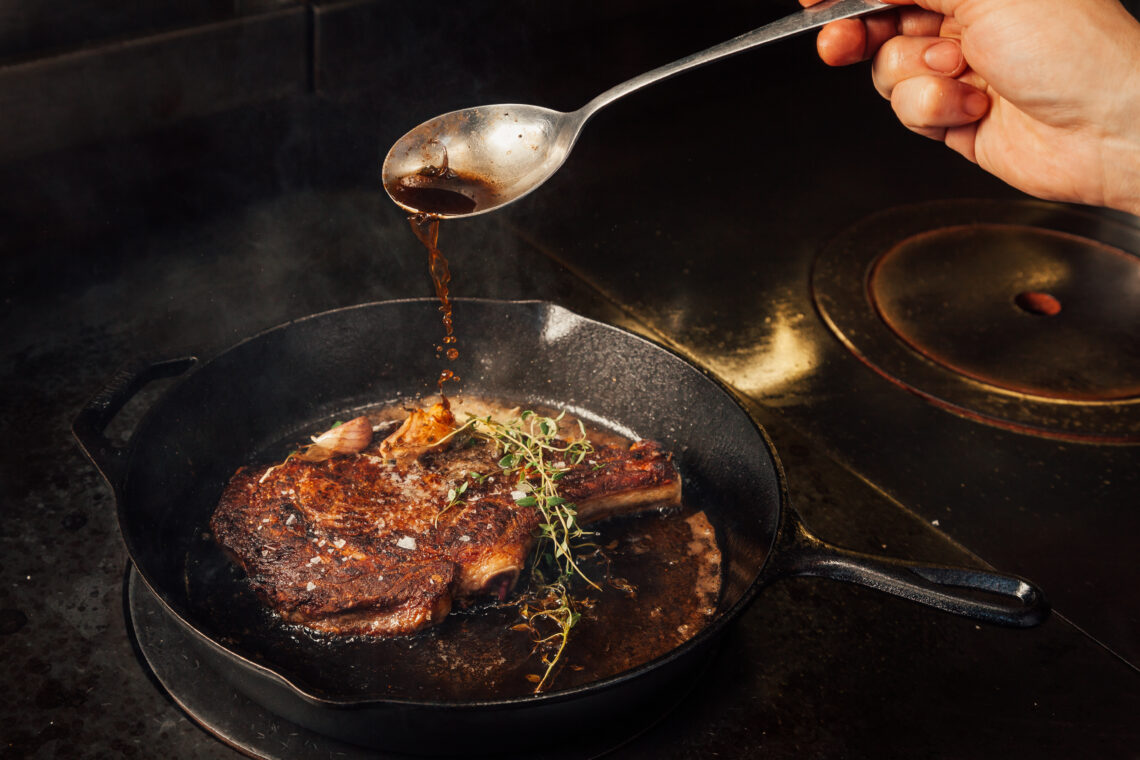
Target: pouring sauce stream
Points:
x,y
433,191
426,228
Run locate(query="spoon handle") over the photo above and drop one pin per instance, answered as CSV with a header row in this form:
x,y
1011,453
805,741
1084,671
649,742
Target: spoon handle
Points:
x,y
802,21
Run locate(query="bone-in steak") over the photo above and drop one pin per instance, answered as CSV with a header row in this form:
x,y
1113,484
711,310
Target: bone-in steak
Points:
x,y
370,543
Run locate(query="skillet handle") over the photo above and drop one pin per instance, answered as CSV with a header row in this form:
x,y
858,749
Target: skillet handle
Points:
x,y
1003,599
91,422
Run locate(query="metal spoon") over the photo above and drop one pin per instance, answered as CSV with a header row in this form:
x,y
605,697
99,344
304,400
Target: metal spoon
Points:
x,y
475,160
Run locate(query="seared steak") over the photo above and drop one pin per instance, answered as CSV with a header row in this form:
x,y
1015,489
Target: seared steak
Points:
x,y
379,543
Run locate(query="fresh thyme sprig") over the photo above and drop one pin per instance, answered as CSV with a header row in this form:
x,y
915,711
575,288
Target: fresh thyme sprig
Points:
x,y
551,603
532,451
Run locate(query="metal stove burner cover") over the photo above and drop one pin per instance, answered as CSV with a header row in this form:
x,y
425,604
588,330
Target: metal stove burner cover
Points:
x,y
1029,310
1023,315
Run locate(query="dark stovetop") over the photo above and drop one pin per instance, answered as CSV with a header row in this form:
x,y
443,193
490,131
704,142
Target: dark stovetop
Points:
x,y
663,221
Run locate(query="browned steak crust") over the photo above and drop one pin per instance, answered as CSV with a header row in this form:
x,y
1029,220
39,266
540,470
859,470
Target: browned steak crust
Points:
x,y
361,544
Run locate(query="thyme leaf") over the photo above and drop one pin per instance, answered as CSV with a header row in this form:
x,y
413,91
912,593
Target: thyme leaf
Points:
x,y
454,497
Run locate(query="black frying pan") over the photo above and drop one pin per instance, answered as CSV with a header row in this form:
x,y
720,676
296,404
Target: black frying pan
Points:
x,y
271,387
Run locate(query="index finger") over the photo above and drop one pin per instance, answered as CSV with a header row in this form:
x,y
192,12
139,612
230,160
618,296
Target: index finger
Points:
x,y
857,39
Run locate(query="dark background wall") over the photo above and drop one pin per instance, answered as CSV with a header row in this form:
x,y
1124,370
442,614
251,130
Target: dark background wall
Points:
x,y
39,27
76,73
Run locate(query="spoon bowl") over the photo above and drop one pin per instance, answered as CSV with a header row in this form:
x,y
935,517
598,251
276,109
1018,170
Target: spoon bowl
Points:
x,y
491,155
475,160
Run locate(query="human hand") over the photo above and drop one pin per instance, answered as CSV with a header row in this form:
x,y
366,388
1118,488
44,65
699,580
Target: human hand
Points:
x,y
1044,94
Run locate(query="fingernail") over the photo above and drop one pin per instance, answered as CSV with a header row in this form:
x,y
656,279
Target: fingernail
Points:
x,y
975,104
943,56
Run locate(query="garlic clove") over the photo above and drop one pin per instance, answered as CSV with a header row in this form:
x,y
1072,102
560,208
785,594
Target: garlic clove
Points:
x,y
350,438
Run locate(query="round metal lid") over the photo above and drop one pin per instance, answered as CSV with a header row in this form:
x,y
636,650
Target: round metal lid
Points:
x,y
1031,310
1020,314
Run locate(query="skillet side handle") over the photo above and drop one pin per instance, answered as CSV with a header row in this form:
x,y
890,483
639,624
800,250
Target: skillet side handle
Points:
x,y
91,422
1008,600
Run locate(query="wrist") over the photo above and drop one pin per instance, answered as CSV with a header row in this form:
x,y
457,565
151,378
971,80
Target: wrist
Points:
x,y
1122,146
1121,159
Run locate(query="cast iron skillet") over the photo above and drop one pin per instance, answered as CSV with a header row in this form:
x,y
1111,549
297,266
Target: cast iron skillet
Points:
x,y
167,480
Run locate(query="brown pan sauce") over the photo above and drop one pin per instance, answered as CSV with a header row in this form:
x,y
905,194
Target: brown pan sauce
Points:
x,y
656,594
